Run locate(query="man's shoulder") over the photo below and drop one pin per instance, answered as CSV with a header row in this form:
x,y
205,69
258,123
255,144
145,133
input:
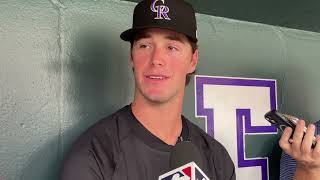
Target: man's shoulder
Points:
x,y
107,130
98,146
110,123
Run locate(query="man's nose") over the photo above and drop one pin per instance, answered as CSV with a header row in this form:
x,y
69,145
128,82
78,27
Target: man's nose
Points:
x,y
157,57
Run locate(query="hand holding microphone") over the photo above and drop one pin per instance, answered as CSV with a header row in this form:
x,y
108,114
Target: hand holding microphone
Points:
x,y
299,142
185,162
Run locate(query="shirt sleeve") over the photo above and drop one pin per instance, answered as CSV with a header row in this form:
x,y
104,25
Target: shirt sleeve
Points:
x,y
287,167
89,160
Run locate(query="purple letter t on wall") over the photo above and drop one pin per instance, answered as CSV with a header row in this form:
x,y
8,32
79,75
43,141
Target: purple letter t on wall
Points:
x,y
233,108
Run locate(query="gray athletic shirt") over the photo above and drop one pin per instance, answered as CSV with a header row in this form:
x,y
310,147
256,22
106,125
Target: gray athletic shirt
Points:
x,y
119,147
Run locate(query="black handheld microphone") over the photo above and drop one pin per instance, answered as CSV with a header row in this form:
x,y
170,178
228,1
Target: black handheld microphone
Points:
x,y
186,163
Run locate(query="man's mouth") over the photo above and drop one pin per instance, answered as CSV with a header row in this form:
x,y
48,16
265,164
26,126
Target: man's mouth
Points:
x,y
157,77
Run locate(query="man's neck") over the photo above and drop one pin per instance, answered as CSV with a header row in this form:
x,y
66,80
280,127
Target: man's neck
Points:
x,y
162,120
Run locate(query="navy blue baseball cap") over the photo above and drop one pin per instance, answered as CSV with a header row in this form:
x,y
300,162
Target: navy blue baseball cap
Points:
x,y
175,15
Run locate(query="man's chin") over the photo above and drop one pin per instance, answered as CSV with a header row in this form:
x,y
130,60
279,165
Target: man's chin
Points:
x,y
156,96
157,99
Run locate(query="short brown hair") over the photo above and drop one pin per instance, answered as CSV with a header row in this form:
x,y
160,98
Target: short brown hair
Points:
x,y
194,47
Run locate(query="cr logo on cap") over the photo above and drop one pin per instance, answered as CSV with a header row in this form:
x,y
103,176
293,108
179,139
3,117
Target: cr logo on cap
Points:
x,y
161,10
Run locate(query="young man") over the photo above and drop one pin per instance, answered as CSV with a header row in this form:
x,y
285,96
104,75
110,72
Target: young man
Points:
x,y
135,142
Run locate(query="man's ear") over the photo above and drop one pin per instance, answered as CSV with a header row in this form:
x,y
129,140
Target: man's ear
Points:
x,y
130,58
194,61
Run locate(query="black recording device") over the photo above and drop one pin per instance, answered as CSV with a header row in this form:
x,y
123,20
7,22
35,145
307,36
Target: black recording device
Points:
x,y
284,120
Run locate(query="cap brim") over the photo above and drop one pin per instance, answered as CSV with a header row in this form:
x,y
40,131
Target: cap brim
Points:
x,y
129,34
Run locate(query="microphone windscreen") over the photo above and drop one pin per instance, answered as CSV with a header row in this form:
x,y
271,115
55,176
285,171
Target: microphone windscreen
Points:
x,y
185,152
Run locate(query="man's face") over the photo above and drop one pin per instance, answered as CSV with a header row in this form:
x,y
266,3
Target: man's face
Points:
x,y
161,59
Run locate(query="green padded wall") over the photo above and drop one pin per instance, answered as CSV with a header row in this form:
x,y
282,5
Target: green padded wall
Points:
x,y
64,67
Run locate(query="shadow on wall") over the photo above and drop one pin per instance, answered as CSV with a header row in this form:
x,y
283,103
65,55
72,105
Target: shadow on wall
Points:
x,y
100,79
97,81
43,164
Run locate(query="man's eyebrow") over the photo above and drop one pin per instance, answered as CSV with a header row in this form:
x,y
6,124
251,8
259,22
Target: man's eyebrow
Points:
x,y
175,38
172,37
141,36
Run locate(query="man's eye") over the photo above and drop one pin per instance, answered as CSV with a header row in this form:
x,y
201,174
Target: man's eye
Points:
x,y
172,48
144,46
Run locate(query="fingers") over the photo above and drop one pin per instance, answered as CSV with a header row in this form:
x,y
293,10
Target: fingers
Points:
x,y
298,135
301,142
284,140
307,139
316,150
300,148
